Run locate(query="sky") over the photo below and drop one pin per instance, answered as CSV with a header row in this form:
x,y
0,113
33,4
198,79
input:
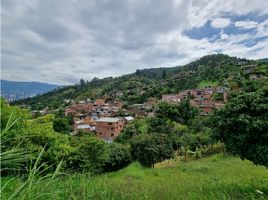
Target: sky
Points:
x,y
64,40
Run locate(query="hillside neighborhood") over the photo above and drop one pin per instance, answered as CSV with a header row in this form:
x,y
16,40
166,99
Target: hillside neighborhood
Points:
x,y
108,116
108,119
134,100
151,119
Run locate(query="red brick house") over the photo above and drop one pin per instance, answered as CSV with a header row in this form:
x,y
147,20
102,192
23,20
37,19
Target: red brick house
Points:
x,y
109,128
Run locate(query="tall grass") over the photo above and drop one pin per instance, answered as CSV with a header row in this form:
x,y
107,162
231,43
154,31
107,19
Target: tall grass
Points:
x,y
12,159
216,177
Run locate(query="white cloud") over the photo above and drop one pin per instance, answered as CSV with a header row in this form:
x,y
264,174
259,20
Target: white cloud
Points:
x,y
246,24
262,29
202,11
63,41
220,22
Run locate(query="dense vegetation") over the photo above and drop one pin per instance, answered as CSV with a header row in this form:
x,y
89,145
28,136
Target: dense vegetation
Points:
x,y
84,152
243,126
211,70
35,149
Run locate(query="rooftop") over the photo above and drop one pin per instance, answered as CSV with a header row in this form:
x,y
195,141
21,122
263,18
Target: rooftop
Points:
x,y
108,119
84,126
129,118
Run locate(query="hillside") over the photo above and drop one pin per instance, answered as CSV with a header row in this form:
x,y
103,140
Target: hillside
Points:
x,y
216,177
12,90
264,60
214,70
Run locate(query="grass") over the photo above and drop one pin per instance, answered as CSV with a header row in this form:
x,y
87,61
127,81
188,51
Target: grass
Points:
x,y
205,83
216,177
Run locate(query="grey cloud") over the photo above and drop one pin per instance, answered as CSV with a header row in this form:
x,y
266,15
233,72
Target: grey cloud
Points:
x,y
62,41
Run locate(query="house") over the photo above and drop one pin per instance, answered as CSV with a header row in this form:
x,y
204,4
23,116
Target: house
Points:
x,y
68,100
85,124
118,104
205,106
219,104
150,102
255,76
248,69
221,90
171,98
76,109
109,128
100,102
128,119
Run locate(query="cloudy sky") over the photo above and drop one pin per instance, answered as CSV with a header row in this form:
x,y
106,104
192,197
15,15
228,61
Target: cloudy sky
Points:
x,y
61,41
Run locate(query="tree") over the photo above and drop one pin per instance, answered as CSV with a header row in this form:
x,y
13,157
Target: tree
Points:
x,y
89,154
150,149
182,112
164,74
61,125
128,133
118,157
242,126
37,134
82,83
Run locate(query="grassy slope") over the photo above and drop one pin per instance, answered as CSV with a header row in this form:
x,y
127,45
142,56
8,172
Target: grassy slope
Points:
x,y
217,177
205,83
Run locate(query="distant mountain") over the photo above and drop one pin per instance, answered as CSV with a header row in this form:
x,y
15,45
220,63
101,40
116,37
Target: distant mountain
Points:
x,y
12,90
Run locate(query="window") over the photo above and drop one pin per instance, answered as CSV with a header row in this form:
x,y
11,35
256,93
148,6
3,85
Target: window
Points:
x,y
112,134
100,133
110,123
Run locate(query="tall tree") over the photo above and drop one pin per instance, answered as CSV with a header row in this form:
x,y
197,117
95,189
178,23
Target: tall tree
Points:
x,y
243,126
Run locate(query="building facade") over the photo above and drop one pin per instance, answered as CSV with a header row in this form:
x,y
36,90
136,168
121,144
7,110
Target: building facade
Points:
x,y
109,128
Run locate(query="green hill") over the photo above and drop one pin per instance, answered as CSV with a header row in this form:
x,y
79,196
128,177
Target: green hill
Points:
x,y
216,177
217,69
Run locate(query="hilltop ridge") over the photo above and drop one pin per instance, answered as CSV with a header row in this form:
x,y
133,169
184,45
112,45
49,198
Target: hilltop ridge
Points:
x,y
214,70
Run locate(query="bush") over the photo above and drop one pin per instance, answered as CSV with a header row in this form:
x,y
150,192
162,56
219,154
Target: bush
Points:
x,y
61,125
118,157
89,154
150,149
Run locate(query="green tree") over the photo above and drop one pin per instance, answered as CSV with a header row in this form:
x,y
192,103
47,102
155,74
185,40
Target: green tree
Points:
x,y
82,83
164,74
61,125
118,157
150,149
242,126
182,112
89,154
128,133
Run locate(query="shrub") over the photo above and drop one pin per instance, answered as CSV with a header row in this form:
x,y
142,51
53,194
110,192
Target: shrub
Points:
x,y
89,154
150,149
61,125
118,157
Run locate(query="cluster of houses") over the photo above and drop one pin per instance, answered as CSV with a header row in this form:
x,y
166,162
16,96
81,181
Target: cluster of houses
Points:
x,y
106,128
250,70
95,110
98,116
205,99
102,117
